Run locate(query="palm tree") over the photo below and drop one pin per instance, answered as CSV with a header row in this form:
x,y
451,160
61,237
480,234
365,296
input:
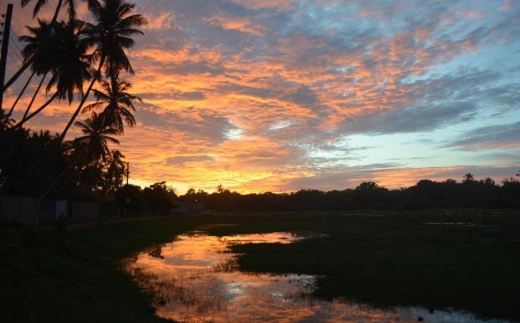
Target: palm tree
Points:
x,y
71,9
111,36
71,6
24,169
118,104
41,47
467,178
4,119
31,52
65,58
96,137
72,68
114,172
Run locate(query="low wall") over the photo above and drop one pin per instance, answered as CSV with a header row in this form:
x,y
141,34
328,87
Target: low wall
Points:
x,y
47,212
38,211
10,207
81,212
32,210
28,210
188,208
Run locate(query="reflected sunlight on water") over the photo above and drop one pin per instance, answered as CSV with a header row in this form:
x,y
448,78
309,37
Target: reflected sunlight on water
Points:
x,y
195,279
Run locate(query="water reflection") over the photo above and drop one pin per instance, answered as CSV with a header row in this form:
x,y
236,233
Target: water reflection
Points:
x,y
194,279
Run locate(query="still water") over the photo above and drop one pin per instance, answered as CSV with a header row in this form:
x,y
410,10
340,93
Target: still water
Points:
x,y
194,279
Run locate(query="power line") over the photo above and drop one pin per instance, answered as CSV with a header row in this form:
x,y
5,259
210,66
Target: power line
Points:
x,y
35,81
15,52
4,49
15,39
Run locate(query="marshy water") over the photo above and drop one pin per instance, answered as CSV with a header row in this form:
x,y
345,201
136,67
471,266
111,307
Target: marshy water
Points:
x,y
195,279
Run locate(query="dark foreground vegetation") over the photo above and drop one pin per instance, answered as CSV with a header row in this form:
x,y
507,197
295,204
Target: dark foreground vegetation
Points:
x,y
72,275
465,261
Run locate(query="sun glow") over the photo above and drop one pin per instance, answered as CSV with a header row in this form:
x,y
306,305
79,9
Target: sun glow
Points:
x,y
330,96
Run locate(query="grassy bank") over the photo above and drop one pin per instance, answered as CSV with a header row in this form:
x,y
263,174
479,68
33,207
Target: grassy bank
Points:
x,y
71,276
465,261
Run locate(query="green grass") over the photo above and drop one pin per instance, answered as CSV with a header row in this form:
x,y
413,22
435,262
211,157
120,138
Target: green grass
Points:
x,y
393,260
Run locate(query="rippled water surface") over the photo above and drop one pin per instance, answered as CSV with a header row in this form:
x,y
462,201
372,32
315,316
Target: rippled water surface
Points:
x,y
194,279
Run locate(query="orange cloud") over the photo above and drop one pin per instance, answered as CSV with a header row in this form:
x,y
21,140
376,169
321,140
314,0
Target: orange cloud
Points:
x,y
258,98
241,24
280,5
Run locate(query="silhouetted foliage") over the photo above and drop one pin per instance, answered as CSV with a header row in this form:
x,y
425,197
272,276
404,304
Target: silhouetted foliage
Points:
x,y
72,54
426,194
130,197
159,197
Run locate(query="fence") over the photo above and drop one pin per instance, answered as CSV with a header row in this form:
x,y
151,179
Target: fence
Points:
x,y
41,211
33,210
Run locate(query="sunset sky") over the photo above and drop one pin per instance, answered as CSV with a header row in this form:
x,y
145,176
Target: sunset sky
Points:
x,y
282,95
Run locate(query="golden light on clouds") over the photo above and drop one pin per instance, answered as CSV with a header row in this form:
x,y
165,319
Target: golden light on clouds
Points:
x,y
267,95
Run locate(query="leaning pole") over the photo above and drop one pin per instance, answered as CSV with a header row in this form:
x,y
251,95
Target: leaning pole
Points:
x,y
5,46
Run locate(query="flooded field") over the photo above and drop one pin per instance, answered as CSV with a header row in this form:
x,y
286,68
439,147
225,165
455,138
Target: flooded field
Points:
x,y
195,279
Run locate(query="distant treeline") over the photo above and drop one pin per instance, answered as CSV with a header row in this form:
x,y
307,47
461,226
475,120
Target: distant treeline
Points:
x,y
426,194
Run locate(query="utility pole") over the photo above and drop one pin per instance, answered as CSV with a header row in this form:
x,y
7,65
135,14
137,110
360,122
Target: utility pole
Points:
x,y
5,46
127,173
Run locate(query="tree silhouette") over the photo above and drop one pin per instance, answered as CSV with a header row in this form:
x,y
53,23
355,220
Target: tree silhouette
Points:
x,y
115,169
65,58
117,103
63,55
97,134
5,121
31,52
110,36
468,178
71,9
159,197
488,181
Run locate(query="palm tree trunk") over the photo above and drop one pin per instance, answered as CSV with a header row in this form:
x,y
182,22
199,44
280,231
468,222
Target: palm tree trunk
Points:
x,y
24,120
94,79
34,96
18,73
19,96
64,133
42,47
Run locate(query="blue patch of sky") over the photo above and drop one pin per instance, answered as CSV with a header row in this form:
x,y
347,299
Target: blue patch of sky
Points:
x,y
317,20
501,59
411,150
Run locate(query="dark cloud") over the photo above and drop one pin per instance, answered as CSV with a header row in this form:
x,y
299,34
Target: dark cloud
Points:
x,y
194,124
439,102
304,96
492,137
263,93
339,178
417,118
174,95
